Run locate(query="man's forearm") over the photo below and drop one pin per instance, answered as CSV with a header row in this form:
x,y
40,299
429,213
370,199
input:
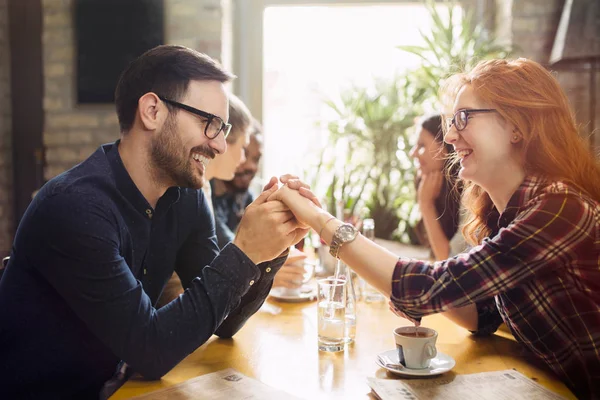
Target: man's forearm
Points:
x,y
253,299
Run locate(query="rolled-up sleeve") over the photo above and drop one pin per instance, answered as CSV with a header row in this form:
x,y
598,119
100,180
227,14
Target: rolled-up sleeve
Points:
x,y
488,318
253,299
547,234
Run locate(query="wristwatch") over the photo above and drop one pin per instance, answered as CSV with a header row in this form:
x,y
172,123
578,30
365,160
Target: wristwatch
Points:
x,y
345,233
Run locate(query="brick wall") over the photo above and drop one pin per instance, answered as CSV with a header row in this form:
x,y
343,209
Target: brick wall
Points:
x,y
533,28
6,172
73,132
196,24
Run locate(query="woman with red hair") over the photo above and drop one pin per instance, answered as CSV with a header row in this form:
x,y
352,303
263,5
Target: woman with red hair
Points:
x,y
532,190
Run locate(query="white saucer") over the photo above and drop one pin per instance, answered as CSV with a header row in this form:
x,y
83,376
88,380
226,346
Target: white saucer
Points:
x,y
306,294
439,364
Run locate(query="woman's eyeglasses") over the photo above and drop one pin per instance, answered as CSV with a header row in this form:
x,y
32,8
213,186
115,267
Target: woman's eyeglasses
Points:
x,y
214,124
460,119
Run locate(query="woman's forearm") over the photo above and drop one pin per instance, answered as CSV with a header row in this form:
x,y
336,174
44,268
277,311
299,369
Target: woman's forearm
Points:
x,y
372,262
440,245
376,265
464,316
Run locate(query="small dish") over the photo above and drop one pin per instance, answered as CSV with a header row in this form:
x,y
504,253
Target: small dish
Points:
x,y
439,364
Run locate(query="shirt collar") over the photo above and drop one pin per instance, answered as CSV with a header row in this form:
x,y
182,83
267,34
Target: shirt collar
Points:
x,y
527,190
129,190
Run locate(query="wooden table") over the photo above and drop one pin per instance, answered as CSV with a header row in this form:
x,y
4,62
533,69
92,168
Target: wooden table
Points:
x,y
278,346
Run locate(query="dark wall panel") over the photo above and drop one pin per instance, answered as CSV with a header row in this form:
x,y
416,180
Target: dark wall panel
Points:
x,y
109,35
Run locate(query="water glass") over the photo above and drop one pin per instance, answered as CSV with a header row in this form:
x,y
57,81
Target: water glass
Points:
x,y
368,292
331,305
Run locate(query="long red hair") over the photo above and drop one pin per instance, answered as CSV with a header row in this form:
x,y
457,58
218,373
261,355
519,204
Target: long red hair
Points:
x,y
528,96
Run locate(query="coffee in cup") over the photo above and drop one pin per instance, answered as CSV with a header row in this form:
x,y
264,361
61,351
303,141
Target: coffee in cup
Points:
x,y
415,346
417,334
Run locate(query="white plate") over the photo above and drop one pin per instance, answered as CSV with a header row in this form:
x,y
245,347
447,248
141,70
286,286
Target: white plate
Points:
x,y
306,294
439,364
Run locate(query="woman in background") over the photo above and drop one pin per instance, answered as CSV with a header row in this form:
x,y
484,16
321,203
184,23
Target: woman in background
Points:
x,y
438,197
438,192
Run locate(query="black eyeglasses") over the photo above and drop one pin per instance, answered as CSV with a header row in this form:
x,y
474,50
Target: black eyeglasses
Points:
x,y
214,124
461,118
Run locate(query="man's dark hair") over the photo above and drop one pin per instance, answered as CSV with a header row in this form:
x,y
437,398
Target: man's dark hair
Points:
x,y
167,71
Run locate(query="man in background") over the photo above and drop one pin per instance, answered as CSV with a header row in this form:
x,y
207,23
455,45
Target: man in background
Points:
x,y
230,198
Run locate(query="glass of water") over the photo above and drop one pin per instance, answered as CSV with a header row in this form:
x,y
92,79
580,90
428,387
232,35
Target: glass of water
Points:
x,y
368,292
331,314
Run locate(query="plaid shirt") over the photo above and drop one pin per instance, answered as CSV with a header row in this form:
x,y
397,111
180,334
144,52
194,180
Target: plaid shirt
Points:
x,y
541,264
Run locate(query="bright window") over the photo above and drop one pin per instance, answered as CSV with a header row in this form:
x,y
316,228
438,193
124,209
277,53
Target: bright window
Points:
x,y
310,53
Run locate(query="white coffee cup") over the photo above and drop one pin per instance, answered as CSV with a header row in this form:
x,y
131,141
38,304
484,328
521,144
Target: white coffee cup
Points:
x,y
415,346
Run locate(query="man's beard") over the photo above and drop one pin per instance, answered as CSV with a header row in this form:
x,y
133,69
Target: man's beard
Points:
x,y
170,160
241,181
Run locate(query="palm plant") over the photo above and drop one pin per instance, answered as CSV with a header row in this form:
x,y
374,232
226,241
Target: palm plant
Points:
x,y
452,45
368,163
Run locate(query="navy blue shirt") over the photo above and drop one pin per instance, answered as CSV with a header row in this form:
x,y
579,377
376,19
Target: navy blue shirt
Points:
x,y
90,259
229,209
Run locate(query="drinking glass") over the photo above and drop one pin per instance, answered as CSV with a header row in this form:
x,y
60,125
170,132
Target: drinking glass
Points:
x,y
331,302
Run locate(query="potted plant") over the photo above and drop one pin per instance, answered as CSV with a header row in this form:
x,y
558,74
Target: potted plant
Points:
x,y
452,45
366,163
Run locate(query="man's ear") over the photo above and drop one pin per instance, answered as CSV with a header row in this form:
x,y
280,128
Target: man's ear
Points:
x,y
151,111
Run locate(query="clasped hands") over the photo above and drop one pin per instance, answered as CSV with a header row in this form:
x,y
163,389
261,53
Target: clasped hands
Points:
x,y
279,218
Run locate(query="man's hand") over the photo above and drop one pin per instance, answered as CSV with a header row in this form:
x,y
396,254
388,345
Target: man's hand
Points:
x,y
267,228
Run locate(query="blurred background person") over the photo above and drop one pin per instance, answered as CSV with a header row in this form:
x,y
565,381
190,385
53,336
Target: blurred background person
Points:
x,y
225,165
438,190
232,193
438,197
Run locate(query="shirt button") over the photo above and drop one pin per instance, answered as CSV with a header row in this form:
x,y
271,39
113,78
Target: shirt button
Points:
x,y
268,269
252,282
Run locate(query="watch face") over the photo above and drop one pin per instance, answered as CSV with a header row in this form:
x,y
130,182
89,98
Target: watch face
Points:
x,y
346,232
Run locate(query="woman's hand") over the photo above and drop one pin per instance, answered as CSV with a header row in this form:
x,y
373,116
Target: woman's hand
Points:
x,y
264,218
429,188
402,315
302,202
293,182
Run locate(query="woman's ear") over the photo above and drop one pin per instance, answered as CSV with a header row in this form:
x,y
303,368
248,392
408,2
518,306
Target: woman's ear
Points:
x,y
516,137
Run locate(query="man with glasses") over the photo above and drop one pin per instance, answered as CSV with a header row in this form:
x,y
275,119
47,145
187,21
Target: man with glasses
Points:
x,y
98,243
